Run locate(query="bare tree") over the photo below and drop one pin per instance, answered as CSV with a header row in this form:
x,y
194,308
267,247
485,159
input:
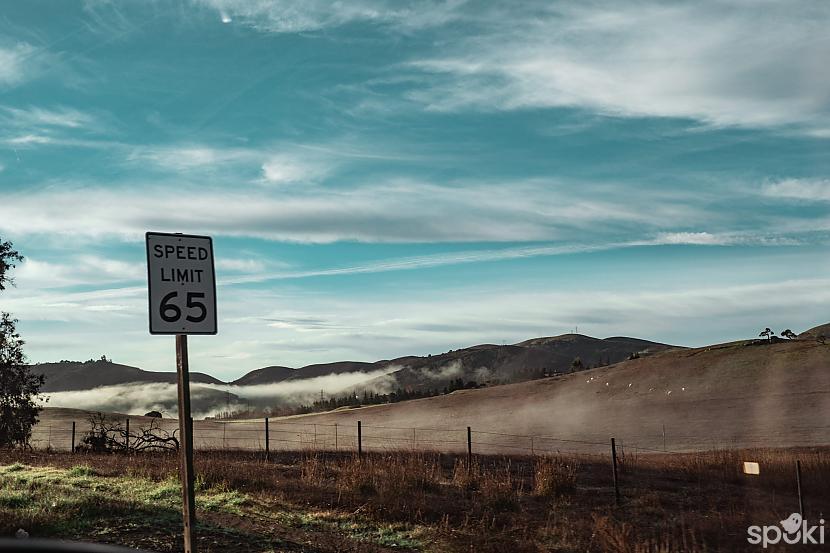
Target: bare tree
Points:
x,y
108,435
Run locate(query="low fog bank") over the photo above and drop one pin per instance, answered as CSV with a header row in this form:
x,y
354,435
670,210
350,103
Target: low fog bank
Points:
x,y
138,398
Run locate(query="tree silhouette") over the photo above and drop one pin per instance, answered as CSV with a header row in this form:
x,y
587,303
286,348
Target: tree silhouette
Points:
x,y
789,334
8,260
767,333
19,388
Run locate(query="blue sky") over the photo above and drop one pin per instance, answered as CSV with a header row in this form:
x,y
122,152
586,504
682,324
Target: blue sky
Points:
x,y
384,178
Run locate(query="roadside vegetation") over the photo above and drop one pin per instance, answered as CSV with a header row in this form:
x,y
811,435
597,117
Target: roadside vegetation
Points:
x,y
411,501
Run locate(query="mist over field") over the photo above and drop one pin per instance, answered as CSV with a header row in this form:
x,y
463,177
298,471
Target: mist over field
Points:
x,y
138,398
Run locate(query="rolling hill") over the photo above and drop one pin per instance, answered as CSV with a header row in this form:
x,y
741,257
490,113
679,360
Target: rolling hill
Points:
x,y
269,375
75,375
488,363
480,363
750,393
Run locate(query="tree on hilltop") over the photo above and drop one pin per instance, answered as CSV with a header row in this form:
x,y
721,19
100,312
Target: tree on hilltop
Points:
x,y
789,334
767,333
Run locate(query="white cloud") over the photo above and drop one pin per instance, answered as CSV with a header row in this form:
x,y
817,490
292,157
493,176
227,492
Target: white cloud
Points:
x,y
811,190
573,214
13,63
84,269
240,265
189,157
722,63
36,117
34,126
294,16
37,298
29,140
400,211
696,238
281,169
275,164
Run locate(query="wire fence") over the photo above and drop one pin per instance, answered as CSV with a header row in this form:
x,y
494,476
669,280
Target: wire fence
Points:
x,y
267,435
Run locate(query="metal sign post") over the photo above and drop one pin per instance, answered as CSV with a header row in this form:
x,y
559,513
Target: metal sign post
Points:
x,y
182,292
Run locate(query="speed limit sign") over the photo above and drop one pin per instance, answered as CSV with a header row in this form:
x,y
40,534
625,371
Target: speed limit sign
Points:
x,y
182,284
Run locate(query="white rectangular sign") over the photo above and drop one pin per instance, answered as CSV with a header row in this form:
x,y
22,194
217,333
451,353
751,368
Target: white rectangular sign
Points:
x,y
182,284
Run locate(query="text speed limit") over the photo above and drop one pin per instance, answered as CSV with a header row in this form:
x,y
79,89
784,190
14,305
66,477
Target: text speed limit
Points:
x,y
182,284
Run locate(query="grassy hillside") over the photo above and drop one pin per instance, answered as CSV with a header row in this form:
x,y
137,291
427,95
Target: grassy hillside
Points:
x,y
77,375
739,394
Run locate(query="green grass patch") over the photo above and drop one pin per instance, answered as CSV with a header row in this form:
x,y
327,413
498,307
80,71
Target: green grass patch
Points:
x,y
12,499
68,503
81,470
64,502
357,528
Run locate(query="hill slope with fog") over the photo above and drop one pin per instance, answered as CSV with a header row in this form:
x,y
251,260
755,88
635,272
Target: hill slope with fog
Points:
x,y
749,393
107,386
480,363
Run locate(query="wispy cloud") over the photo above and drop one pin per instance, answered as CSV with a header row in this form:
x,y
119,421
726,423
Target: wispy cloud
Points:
x,y
83,269
32,127
715,62
294,16
393,211
187,157
29,140
287,169
241,265
273,164
810,190
13,63
37,117
525,252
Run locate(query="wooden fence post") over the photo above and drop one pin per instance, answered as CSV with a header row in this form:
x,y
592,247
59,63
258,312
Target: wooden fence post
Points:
x,y
798,483
359,440
267,440
614,466
127,437
469,449
73,436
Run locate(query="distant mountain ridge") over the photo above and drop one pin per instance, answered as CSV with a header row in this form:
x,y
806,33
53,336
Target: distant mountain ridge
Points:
x,y
481,363
76,375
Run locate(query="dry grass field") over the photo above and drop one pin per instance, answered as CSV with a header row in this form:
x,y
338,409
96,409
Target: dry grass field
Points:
x,y
405,501
723,396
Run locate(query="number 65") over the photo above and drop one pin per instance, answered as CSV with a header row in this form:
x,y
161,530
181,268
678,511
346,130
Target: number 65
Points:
x,y
171,313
